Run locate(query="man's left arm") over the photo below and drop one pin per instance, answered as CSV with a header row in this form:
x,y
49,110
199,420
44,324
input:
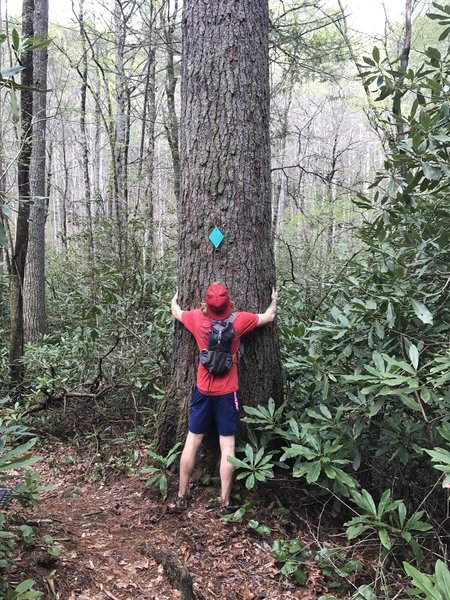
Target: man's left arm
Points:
x,y
175,307
269,315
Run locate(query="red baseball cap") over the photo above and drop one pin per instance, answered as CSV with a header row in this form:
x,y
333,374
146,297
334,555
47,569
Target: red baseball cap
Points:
x,y
218,302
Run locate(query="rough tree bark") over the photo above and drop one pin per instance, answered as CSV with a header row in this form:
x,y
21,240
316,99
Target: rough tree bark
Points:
x,y
23,179
85,136
34,284
404,60
279,185
2,160
146,165
171,119
120,192
225,182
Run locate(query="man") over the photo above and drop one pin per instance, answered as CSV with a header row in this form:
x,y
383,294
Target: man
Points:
x,y
215,401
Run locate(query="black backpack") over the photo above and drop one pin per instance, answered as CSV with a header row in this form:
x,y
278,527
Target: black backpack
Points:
x,y
217,358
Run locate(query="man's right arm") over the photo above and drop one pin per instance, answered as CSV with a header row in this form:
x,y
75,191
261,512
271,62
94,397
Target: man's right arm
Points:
x,y
175,307
269,315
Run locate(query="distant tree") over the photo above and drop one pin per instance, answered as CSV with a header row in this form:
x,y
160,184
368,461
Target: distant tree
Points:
x,y
18,259
168,24
34,284
225,182
2,155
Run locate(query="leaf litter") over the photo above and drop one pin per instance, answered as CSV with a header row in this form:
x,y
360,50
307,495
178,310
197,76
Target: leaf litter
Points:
x,y
101,529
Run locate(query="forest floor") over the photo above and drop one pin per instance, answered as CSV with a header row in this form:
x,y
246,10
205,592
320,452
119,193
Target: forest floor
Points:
x,y
109,532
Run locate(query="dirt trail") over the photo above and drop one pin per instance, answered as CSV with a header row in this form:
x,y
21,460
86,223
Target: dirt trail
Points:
x,y
102,529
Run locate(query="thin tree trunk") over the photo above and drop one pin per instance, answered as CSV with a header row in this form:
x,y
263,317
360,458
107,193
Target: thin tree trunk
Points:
x,y
404,59
147,151
2,159
279,199
171,122
331,193
16,348
120,126
64,194
34,284
84,135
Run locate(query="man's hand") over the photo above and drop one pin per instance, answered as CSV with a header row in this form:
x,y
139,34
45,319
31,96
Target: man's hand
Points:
x,y
269,315
175,308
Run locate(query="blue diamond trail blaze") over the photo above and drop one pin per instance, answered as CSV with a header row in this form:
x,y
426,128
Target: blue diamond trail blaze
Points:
x,y
216,237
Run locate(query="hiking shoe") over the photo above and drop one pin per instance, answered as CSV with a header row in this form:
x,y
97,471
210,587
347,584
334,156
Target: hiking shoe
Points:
x,y
227,509
181,503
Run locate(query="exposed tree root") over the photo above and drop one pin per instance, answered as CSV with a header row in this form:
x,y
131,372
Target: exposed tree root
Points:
x,y
174,569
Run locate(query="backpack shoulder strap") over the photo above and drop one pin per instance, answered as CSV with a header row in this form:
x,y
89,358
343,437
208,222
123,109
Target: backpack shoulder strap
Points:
x,y
224,322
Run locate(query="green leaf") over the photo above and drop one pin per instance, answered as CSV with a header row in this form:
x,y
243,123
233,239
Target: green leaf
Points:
x,y
300,576
410,401
314,472
236,516
11,71
401,514
355,531
422,311
421,581
279,550
365,501
384,502
378,361
425,395
24,586
17,451
163,486
364,592
440,455
431,172
14,106
414,355
368,61
444,34
442,578
249,453
236,462
390,316
15,39
433,53
250,482
325,411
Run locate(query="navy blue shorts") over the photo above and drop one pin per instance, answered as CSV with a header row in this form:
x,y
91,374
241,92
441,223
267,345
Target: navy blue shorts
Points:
x,y
219,412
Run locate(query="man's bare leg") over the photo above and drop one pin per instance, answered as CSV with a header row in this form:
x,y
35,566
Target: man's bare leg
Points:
x,y
187,461
226,469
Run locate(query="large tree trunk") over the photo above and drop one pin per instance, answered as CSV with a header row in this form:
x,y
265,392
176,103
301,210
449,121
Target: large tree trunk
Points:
x,y
23,178
225,182
34,285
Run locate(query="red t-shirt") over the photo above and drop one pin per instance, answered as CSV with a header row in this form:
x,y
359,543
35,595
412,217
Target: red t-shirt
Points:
x,y
200,326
